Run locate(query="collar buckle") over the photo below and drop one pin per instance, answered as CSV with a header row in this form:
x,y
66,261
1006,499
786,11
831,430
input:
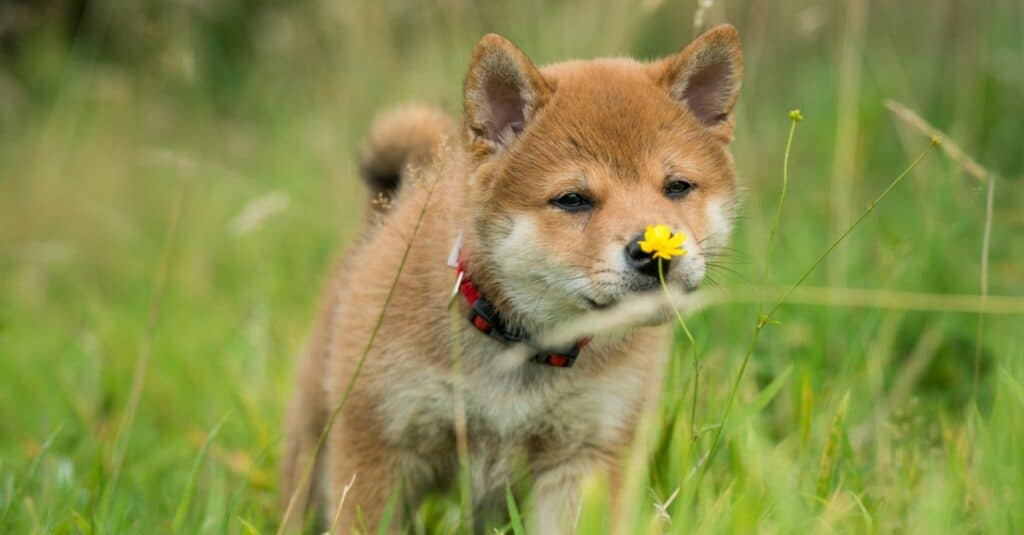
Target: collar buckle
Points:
x,y
486,319
561,359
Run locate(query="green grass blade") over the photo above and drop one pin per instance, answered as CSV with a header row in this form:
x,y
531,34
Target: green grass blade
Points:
x,y
186,498
830,454
806,410
765,396
32,470
513,512
1012,385
389,513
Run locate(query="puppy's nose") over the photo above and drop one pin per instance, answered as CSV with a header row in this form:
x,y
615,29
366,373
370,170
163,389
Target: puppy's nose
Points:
x,y
643,262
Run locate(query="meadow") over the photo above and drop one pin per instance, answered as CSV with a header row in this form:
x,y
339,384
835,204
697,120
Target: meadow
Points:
x,y
177,179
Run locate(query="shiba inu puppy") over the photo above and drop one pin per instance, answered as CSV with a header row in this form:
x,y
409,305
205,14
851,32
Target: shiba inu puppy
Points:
x,y
540,198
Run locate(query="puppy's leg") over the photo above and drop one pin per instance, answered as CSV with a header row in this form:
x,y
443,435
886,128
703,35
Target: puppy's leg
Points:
x,y
556,498
378,478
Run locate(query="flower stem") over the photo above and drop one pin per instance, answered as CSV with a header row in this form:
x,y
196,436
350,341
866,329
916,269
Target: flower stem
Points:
x,y
795,117
765,318
693,344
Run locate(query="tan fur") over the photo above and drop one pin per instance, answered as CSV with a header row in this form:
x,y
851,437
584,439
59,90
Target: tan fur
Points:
x,y
613,128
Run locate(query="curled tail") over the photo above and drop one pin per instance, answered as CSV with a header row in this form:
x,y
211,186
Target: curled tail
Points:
x,y
400,141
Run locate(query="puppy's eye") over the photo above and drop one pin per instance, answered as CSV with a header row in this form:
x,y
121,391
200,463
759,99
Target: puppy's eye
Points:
x,y
677,188
572,202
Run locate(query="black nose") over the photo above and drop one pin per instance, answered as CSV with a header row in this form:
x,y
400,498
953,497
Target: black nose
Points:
x,y
643,262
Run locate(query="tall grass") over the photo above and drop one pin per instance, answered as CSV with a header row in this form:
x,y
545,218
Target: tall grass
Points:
x,y
94,146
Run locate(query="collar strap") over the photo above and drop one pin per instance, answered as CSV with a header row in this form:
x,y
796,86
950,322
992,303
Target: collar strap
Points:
x,y
486,319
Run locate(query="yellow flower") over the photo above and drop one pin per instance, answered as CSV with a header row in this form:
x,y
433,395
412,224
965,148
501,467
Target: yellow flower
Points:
x,y
661,243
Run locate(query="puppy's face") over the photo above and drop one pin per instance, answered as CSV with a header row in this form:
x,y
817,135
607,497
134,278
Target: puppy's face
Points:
x,y
573,162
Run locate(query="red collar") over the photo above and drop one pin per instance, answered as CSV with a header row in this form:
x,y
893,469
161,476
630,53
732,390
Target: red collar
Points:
x,y
485,317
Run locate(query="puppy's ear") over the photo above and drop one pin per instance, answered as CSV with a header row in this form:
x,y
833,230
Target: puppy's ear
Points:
x,y
503,93
706,78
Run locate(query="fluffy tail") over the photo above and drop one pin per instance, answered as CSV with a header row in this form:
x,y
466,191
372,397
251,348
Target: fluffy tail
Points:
x,y
402,140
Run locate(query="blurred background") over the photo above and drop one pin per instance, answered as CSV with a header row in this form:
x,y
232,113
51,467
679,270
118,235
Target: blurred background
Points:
x,y
177,177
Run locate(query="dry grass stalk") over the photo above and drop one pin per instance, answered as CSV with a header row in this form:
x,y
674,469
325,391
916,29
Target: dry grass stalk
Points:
x,y
976,171
869,298
957,154
986,242
258,211
916,364
341,503
630,312
700,16
661,507
640,310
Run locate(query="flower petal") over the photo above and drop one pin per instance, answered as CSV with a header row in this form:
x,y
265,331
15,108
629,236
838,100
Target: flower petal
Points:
x,y
660,242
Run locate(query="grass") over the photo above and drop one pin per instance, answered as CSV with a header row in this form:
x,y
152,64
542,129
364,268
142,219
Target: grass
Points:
x,y
860,415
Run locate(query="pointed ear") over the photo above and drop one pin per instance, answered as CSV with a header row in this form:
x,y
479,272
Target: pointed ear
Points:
x,y
706,77
503,92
